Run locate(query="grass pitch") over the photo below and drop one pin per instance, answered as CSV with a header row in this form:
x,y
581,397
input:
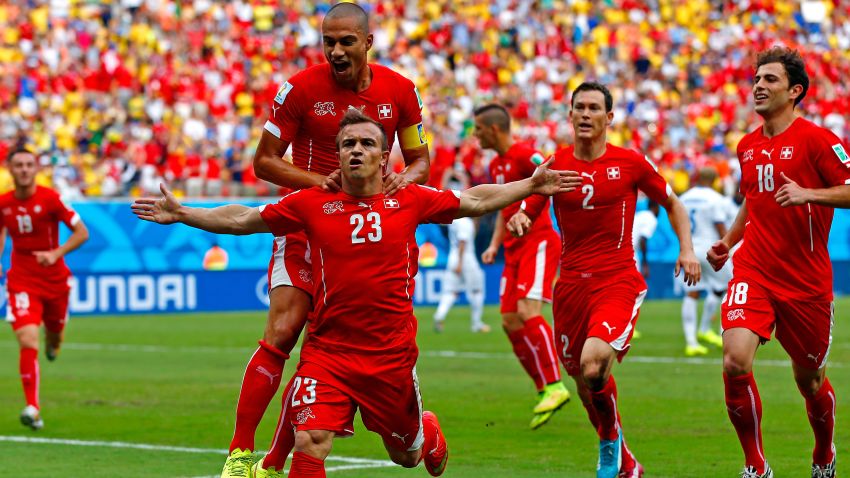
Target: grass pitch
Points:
x,y
154,396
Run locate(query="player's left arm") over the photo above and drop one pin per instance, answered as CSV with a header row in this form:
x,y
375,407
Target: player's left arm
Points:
x,y
79,235
832,163
485,198
687,260
792,194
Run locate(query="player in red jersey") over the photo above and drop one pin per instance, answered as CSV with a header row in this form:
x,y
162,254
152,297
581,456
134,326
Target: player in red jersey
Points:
x,y
531,263
599,292
793,173
361,347
305,114
38,281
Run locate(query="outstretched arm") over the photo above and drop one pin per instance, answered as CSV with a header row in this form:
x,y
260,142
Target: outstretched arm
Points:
x,y
230,219
486,198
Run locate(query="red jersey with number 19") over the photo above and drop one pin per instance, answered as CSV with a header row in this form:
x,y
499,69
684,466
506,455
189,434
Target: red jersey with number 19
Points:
x,y
364,262
33,225
308,108
785,248
596,219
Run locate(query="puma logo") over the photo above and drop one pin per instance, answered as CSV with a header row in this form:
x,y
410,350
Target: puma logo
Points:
x,y
768,153
363,204
735,411
274,110
262,370
403,438
610,329
814,357
590,176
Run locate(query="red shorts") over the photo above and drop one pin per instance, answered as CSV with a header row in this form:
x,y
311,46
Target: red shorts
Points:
x,y
605,307
803,328
34,306
325,397
290,263
530,271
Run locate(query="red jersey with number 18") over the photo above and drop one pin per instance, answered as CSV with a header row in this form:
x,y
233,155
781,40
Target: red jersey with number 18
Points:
x,y
784,248
364,262
596,219
33,225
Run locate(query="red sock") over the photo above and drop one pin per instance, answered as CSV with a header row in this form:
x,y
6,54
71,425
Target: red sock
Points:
x,y
629,460
821,409
306,466
284,437
523,352
28,366
259,385
605,406
543,345
743,404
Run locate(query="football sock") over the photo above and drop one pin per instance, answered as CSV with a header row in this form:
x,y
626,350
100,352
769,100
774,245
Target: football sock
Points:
x,y
28,365
821,410
743,404
259,385
306,466
689,320
543,346
476,304
525,354
605,405
447,300
709,308
629,460
284,437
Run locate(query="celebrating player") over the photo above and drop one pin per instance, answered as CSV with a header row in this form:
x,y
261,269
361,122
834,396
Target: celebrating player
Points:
x,y
708,211
305,113
530,264
38,281
599,292
361,350
793,173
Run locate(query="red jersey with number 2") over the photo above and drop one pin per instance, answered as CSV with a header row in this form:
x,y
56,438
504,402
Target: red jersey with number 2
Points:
x,y
784,248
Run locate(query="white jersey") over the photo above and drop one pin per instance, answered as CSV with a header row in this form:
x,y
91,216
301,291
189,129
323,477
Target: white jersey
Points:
x,y
644,226
472,276
706,208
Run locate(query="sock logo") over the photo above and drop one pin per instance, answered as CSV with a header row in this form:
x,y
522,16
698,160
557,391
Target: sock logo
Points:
x,y
735,411
262,370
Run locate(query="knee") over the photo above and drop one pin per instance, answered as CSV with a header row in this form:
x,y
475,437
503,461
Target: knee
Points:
x,y
284,327
316,443
594,374
409,459
809,386
735,365
511,323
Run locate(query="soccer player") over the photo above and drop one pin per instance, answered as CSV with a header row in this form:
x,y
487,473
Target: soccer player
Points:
x,y
531,263
599,292
361,348
38,281
463,272
707,210
793,173
305,113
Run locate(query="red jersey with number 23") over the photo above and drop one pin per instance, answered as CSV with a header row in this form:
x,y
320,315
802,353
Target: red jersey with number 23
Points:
x,y
596,219
785,248
364,262
33,225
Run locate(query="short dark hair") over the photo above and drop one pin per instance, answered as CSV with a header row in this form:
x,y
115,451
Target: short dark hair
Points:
x,y
19,150
494,114
350,10
355,116
793,63
594,86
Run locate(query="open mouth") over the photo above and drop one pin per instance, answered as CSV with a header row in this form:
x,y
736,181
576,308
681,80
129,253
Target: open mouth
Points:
x,y
760,97
585,127
355,163
341,66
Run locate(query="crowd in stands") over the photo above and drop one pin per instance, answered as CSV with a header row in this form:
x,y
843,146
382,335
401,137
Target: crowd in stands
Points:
x,y
117,95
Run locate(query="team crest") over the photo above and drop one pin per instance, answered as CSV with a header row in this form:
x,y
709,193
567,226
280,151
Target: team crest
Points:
x,y
735,314
748,156
304,415
385,111
786,152
322,108
37,208
614,172
391,203
282,92
331,207
306,276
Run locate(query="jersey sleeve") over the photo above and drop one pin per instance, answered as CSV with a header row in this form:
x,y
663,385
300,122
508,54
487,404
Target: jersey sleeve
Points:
x,y
411,131
831,159
435,205
287,108
282,217
536,203
64,212
650,181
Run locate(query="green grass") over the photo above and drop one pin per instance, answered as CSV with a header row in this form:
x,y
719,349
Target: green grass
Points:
x,y
173,380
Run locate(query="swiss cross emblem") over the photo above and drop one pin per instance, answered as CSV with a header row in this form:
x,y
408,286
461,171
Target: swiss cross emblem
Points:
x,y
614,172
385,111
786,152
391,203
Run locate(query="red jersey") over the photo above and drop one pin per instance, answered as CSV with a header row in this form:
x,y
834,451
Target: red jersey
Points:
x,y
596,219
364,262
784,248
33,225
307,109
519,162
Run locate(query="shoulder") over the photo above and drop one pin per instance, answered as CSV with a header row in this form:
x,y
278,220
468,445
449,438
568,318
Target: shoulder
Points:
x,y
311,74
748,139
47,193
527,152
384,74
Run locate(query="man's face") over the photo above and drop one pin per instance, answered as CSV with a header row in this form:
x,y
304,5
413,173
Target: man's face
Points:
x,y
588,115
771,91
346,46
485,133
23,168
361,155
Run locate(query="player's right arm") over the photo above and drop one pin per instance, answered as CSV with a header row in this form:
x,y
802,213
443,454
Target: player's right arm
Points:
x,y
229,219
719,252
489,254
